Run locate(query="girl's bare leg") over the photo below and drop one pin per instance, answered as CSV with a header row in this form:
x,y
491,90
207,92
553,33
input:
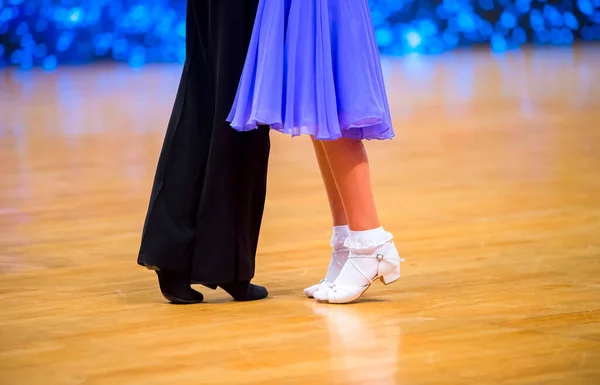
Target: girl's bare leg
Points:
x,y
336,206
349,166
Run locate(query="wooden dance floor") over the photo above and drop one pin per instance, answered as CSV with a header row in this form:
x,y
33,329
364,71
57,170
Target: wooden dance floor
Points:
x,y
492,188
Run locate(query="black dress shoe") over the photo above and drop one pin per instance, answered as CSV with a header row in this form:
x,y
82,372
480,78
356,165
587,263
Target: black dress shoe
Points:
x,y
177,290
242,290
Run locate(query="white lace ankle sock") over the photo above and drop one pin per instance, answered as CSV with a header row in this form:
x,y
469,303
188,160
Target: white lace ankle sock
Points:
x,y
340,252
364,243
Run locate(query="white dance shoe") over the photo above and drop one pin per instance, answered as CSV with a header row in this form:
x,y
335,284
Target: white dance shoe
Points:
x,y
323,285
362,269
338,260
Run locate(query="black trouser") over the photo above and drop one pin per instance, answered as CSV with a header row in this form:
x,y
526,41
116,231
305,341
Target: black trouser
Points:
x,y
209,191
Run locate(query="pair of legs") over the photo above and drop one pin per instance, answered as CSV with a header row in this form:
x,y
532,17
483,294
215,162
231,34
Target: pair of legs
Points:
x,y
362,250
207,201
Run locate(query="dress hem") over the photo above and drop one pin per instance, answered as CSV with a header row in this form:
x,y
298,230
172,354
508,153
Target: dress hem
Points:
x,y
353,130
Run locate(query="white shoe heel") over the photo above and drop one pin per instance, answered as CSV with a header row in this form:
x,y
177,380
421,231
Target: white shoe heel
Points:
x,y
392,276
388,271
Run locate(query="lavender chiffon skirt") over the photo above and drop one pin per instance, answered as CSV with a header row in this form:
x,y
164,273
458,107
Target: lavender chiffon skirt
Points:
x,y
313,67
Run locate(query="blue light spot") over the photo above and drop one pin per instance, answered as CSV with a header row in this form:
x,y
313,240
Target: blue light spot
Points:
x,y
453,25
556,36
22,28
428,28
61,15
441,13
553,16
436,46
27,41
450,40
138,57
26,62
423,13
50,63
519,36
76,15
16,56
536,20
102,44
523,6
473,36
15,12
181,55
64,41
384,37
498,43
1,50
450,6
6,15
413,39
508,20
486,29
567,36
501,29
543,36
586,7
138,12
378,18
164,26
119,49
466,22
181,29
571,21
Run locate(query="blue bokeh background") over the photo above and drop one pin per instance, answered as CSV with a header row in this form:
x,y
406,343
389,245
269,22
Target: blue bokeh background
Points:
x,y
48,33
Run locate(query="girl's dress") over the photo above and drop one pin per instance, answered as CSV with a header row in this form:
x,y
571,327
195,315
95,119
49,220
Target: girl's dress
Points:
x,y
313,67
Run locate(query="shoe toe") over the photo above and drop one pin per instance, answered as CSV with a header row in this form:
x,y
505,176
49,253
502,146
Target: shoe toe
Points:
x,y
254,293
310,291
260,292
321,295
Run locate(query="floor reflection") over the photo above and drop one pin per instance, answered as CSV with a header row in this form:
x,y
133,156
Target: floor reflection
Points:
x,y
364,346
